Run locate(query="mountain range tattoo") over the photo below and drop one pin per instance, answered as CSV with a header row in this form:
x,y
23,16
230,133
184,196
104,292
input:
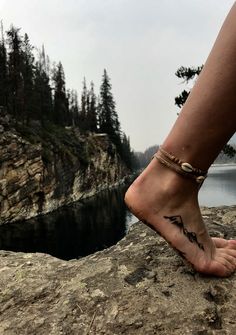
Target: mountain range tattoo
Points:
x,y
177,220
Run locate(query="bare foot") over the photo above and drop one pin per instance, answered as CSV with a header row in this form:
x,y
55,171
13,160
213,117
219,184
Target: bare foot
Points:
x,y
168,203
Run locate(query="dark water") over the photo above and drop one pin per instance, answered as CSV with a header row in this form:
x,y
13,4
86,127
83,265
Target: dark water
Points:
x,y
73,231
99,222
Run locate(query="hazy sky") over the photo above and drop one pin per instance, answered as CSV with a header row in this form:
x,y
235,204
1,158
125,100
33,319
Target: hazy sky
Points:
x,y
141,43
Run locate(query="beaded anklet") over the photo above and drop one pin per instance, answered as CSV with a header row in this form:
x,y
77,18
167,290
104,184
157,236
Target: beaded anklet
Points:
x,y
183,168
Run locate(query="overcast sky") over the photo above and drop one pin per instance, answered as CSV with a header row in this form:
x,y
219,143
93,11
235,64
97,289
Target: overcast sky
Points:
x,y
141,43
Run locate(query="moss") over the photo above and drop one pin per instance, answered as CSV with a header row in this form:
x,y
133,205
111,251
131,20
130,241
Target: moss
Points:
x,y
69,144
28,133
47,155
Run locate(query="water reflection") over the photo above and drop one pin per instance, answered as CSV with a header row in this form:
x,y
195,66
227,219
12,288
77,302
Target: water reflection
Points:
x,y
72,231
219,189
99,222
220,186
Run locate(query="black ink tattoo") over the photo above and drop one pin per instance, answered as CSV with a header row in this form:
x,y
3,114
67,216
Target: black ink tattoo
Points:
x,y
177,220
192,237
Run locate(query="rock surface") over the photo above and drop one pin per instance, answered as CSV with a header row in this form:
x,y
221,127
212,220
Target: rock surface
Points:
x,y
137,287
62,167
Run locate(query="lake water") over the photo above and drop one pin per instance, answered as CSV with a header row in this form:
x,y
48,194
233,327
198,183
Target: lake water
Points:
x,y
72,231
220,186
85,227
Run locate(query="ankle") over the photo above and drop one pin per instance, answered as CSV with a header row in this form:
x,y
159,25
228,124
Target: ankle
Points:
x,y
167,180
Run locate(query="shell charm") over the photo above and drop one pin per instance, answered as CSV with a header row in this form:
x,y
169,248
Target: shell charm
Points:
x,y
200,179
187,167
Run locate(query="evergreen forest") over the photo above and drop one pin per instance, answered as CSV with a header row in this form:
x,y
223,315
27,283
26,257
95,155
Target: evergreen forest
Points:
x,y
33,91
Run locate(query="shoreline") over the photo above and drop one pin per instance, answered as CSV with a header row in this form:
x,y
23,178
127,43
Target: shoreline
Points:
x,y
223,165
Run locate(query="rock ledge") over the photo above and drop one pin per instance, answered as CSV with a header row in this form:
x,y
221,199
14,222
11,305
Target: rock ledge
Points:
x,y
139,286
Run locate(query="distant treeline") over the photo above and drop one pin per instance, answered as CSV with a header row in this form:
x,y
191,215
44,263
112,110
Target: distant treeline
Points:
x,y
225,157
33,89
145,157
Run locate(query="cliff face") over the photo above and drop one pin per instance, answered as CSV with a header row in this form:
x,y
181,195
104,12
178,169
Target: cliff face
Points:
x,y
138,287
61,167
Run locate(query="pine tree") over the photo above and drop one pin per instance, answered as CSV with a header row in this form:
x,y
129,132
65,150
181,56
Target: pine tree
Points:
x,y
3,73
61,106
92,109
126,151
43,106
180,100
46,90
73,108
83,108
28,78
128,155
108,118
16,83
42,95
187,74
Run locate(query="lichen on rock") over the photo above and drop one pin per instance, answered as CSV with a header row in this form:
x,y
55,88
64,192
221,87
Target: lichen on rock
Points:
x,y
139,286
42,169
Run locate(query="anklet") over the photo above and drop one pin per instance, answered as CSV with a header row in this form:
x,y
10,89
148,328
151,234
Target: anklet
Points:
x,y
183,168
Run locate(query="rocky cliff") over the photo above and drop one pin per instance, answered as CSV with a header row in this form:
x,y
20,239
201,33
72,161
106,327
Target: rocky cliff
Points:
x,y
43,169
137,287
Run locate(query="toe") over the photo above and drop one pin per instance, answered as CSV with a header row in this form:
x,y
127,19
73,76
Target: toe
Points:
x,y
223,243
220,242
230,252
232,244
223,267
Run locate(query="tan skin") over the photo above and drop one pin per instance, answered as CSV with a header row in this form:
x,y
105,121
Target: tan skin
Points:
x,y
168,201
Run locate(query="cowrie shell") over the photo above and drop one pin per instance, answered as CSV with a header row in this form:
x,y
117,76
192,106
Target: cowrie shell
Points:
x,y
200,179
187,167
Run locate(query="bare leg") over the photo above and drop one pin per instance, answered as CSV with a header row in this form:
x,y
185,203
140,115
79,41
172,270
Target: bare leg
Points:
x,y
205,124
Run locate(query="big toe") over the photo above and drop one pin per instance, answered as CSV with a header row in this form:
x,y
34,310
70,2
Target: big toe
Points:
x,y
223,243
